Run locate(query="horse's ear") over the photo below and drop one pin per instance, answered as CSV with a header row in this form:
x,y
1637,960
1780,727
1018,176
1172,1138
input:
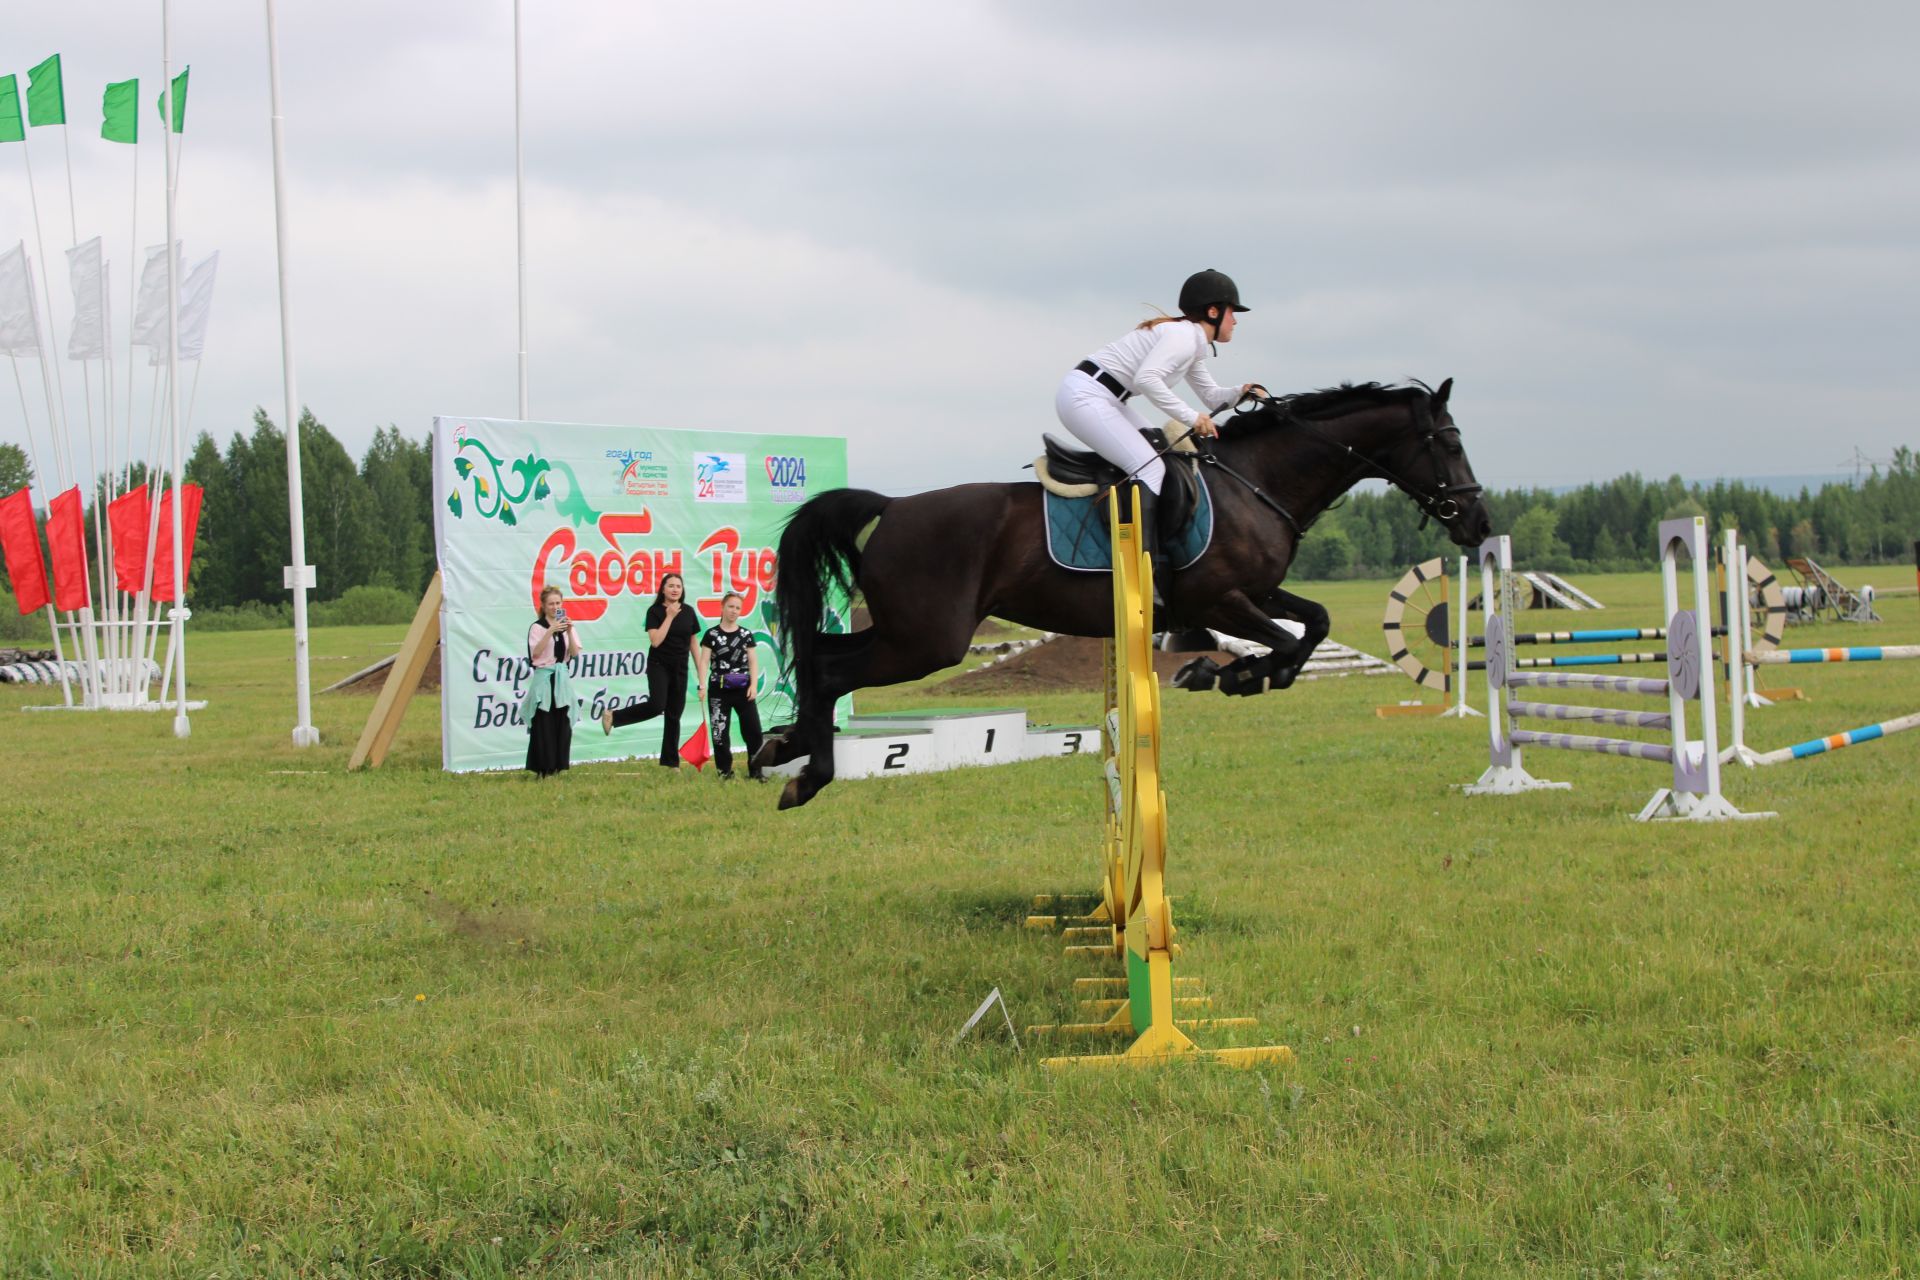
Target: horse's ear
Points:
x,y
1440,396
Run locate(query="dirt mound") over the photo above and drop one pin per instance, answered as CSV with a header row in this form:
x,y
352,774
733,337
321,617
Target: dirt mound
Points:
x,y
1061,664
988,629
25,655
374,678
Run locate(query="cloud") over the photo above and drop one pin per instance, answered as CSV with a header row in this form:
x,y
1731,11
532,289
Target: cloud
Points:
x,y
1641,237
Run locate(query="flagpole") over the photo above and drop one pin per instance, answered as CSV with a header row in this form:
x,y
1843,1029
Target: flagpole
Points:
x,y
177,650
520,207
55,421
26,422
56,411
100,638
298,574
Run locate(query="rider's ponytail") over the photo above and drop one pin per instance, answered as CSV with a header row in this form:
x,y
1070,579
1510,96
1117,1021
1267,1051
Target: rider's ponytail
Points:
x,y
1153,322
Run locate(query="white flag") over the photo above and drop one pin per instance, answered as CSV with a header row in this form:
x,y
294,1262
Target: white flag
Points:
x,y
196,306
89,338
19,332
150,312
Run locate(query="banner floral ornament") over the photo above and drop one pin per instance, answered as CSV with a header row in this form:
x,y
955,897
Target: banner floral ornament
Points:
x,y
500,487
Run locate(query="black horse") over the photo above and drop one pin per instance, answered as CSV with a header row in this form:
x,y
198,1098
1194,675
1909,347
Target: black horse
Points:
x,y
931,566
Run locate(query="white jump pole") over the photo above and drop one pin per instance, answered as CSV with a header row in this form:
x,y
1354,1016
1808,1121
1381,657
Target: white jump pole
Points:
x,y
1506,772
177,648
299,575
1461,708
1740,681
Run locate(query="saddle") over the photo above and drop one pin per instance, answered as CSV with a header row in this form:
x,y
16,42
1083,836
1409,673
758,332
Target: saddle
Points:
x,y
1081,473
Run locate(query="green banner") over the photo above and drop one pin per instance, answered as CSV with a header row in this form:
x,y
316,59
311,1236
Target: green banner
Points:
x,y
603,513
46,95
120,112
13,128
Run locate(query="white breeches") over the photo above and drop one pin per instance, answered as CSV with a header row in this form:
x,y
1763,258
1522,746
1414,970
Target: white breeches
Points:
x,y
1098,420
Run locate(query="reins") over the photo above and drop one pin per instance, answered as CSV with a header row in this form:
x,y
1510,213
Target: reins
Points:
x,y
1441,504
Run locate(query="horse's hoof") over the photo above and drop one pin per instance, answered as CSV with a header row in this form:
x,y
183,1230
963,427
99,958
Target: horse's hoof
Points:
x,y
1197,676
1285,676
775,752
790,797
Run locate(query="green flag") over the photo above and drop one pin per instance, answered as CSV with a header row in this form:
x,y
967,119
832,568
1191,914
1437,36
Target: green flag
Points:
x,y
12,127
46,96
179,103
120,112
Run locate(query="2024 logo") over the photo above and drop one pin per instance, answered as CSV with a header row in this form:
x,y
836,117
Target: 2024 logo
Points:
x,y
787,478
787,473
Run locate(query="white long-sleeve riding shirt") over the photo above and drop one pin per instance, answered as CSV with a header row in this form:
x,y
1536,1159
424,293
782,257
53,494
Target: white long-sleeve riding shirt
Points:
x,y
1148,361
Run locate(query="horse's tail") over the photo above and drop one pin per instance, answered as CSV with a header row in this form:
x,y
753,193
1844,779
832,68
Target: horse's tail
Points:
x,y
819,552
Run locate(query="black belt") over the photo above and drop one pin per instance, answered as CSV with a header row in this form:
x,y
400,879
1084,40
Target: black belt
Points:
x,y
1105,379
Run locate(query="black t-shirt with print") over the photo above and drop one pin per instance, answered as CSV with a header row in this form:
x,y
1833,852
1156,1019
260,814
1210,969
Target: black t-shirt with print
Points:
x,y
678,642
729,650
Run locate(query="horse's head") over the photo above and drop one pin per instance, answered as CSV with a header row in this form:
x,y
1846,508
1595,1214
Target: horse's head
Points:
x,y
1428,462
1404,435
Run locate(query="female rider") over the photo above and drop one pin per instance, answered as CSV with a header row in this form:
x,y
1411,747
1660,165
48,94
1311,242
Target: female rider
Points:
x,y
1092,400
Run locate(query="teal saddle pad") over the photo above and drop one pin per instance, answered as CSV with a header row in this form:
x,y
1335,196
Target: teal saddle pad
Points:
x,y
1078,538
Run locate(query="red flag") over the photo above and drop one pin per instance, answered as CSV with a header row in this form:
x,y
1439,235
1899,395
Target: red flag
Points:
x,y
20,543
127,517
697,750
163,545
67,548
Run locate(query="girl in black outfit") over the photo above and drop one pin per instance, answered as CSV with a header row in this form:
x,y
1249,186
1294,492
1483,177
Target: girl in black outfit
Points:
x,y
671,628
729,683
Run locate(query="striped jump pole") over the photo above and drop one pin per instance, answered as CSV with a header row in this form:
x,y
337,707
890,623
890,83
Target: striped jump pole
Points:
x,y
1615,635
1833,742
1749,662
1855,653
1694,795
1576,660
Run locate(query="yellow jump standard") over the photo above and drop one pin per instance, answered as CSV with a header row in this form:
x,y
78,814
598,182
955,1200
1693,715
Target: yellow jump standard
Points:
x,y
1132,919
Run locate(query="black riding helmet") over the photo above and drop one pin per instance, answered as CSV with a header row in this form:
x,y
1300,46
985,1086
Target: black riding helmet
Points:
x,y
1209,288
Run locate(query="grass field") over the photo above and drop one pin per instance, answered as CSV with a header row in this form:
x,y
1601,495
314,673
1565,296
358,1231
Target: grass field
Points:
x,y
262,1017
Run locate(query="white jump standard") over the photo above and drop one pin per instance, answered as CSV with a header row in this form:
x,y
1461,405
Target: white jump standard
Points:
x,y
1744,663
1694,795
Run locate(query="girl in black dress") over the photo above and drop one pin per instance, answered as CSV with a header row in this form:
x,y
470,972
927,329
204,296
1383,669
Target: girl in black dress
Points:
x,y
671,628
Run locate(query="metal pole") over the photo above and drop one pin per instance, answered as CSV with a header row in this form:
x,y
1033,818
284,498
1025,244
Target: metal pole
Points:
x,y
299,574
178,615
1462,709
520,206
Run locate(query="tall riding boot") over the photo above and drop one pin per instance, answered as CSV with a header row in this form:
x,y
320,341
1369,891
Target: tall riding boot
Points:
x,y
1149,519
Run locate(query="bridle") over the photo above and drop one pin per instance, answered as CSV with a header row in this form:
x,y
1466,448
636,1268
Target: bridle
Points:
x,y
1444,502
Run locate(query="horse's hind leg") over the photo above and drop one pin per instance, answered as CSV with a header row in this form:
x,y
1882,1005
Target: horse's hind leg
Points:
x,y
786,743
889,656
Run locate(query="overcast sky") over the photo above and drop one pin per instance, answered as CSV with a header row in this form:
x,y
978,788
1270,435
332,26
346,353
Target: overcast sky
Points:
x,y
1641,237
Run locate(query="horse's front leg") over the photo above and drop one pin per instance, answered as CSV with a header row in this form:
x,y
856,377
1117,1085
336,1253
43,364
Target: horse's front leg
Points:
x,y
1236,615
1310,614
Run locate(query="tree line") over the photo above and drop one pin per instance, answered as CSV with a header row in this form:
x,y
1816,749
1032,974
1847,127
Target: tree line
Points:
x,y
370,524
1613,526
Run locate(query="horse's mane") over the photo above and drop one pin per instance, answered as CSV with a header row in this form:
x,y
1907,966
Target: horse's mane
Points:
x,y
1331,403
1348,397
